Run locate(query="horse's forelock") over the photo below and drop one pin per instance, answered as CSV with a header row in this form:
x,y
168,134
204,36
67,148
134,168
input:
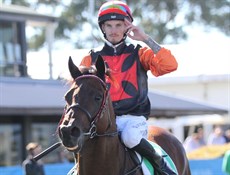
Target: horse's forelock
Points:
x,y
88,70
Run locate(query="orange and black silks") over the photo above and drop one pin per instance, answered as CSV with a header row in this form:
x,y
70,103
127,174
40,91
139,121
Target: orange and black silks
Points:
x,y
129,65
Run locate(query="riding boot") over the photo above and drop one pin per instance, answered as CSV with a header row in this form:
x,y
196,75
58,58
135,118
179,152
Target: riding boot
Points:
x,y
145,149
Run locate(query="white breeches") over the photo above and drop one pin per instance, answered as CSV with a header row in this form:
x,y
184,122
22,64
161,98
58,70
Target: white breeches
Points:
x,y
132,128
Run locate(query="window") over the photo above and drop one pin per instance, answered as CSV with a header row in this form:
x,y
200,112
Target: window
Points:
x,y
11,144
11,58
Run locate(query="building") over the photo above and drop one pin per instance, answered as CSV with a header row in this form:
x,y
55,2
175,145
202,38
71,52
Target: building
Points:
x,y
15,125
211,90
13,45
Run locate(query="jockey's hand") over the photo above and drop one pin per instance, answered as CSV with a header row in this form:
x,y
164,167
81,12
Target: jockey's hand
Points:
x,y
135,32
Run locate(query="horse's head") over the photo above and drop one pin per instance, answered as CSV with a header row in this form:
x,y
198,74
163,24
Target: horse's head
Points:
x,y
88,107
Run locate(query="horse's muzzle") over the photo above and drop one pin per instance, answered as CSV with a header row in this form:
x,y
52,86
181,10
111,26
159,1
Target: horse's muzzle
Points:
x,y
70,135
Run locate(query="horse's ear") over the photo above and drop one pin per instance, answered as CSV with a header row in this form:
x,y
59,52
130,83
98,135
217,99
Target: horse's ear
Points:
x,y
100,66
73,69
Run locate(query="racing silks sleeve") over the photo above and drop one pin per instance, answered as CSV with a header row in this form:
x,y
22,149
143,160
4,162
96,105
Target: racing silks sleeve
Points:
x,y
159,64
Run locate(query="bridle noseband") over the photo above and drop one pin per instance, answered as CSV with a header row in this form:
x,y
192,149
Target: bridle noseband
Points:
x,y
92,131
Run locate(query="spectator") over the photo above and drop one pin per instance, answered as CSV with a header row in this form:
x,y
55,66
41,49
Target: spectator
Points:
x,y
217,137
194,142
200,133
30,166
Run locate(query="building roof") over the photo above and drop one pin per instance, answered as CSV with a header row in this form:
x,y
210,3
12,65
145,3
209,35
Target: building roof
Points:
x,y
164,80
21,13
42,97
163,104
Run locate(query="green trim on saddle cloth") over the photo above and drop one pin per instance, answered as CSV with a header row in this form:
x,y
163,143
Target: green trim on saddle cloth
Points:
x,y
148,166
226,162
161,152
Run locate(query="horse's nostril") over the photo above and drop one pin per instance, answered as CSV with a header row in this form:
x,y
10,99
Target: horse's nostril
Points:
x,y
75,132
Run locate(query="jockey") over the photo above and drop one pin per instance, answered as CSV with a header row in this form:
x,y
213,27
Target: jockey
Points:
x,y
129,65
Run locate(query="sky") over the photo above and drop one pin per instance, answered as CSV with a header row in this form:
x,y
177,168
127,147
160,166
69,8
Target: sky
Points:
x,y
204,53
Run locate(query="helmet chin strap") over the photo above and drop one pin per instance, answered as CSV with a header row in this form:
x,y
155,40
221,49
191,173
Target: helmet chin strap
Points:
x,y
116,44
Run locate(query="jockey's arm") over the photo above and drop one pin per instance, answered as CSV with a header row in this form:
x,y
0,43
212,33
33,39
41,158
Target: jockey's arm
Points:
x,y
159,62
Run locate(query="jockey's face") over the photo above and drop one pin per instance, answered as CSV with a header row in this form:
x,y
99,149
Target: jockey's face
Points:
x,y
114,30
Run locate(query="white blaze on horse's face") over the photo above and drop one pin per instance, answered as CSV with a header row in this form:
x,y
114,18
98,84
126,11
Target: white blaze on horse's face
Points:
x,y
114,30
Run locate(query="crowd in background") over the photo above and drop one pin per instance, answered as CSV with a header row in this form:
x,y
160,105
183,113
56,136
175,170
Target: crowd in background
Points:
x,y
196,139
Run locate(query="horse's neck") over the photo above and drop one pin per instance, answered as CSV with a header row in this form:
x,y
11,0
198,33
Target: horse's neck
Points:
x,y
102,156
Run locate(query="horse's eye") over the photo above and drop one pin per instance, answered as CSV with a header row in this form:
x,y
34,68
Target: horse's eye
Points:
x,y
98,98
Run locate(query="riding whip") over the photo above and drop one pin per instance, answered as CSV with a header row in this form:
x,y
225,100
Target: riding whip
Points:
x,y
47,151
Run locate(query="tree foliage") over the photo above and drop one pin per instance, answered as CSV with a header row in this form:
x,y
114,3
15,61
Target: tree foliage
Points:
x,y
164,20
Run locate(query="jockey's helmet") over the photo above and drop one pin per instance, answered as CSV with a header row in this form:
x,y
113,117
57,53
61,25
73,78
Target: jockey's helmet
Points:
x,y
114,10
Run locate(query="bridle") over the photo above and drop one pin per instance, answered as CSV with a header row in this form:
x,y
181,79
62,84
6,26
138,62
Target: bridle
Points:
x,y
92,131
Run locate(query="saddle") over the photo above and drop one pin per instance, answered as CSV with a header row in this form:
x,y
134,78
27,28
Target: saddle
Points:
x,y
146,166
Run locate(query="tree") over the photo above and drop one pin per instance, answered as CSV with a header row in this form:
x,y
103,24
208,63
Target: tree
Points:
x,y
164,20
211,13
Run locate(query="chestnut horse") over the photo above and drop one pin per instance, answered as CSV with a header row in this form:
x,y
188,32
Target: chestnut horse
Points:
x,y
88,128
